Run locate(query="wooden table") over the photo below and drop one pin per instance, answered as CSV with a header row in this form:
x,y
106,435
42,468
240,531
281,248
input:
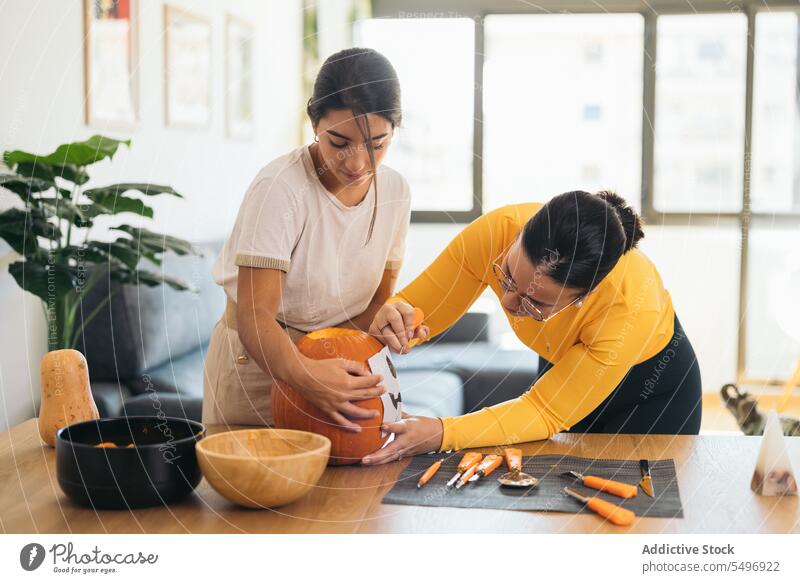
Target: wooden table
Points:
x,y
713,472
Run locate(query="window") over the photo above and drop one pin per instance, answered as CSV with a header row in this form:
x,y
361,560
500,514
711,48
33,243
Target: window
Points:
x,y
773,313
434,59
562,100
775,161
699,116
773,271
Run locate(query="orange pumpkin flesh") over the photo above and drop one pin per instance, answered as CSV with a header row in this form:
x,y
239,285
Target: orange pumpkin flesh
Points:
x,y
111,444
291,410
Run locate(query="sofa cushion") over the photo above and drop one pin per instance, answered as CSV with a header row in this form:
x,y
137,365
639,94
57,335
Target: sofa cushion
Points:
x,y
471,327
171,405
144,327
109,397
490,374
431,393
182,375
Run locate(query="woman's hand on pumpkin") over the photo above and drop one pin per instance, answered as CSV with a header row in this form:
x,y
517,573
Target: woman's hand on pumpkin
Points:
x,y
394,326
332,384
412,435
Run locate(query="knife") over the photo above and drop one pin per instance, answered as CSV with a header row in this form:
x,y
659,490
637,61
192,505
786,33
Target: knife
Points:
x,y
646,484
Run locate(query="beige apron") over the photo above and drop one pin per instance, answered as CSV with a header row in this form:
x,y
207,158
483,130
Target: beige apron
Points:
x,y
235,389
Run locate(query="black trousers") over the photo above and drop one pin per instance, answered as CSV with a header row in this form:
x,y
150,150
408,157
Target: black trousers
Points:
x,y
661,395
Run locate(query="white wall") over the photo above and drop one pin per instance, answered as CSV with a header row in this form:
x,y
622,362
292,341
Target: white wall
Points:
x,y
41,106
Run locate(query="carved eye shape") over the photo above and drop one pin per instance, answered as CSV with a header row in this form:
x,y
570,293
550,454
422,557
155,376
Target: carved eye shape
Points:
x,y
390,364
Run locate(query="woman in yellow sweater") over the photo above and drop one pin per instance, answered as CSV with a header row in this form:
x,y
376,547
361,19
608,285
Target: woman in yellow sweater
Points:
x,y
613,357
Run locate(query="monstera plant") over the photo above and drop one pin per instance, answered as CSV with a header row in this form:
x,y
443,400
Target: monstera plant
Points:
x,y
52,231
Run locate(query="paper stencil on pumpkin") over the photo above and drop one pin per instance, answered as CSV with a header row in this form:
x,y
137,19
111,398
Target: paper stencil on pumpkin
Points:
x,y
381,363
773,475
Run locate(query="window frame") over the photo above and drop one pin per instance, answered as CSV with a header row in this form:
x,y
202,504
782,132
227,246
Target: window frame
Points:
x,y
478,10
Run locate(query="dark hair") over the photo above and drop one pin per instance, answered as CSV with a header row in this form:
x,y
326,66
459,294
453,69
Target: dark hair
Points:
x,y
359,79
578,237
363,81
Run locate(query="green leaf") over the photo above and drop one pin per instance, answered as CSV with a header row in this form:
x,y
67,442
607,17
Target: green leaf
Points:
x,y
80,254
144,188
36,170
27,187
65,210
122,253
21,229
140,252
156,242
82,153
39,169
49,282
107,203
151,278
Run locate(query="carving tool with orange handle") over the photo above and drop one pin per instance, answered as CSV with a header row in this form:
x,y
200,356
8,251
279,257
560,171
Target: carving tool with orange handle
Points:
x,y
429,473
620,489
470,458
489,464
467,475
419,318
515,478
611,512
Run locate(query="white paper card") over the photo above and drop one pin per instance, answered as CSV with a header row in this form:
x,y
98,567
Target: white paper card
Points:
x,y
773,475
382,364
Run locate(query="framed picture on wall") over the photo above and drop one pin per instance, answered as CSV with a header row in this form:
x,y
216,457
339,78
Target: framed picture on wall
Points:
x,y
110,42
239,89
187,68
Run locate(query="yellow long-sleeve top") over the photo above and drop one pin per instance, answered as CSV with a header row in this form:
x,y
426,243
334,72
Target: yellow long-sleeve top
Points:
x,y
626,320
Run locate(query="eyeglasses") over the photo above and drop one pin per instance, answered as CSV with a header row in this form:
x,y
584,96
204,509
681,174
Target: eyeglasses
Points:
x,y
508,286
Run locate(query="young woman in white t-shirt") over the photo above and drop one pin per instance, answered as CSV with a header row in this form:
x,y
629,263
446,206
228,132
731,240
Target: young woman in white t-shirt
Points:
x,y
318,242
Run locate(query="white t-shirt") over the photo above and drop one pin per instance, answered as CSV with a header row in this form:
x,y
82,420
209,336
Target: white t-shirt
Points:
x,y
289,221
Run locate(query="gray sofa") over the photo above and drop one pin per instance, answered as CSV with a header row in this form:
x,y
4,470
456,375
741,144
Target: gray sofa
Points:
x,y
146,347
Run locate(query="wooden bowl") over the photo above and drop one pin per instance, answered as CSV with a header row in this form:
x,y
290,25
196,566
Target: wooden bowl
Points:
x,y
263,468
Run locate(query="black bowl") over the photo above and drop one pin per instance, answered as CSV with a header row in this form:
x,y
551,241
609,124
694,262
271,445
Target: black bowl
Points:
x,y
160,468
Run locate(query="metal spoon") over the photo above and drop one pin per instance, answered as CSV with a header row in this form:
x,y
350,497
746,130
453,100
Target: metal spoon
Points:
x,y
516,478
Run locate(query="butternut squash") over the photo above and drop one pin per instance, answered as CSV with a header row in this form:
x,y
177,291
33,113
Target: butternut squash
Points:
x,y
66,393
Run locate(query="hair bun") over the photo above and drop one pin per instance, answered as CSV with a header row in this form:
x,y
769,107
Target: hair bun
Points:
x,y
632,223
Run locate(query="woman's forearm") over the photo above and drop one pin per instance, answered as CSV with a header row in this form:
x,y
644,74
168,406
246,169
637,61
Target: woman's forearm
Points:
x,y
269,345
259,295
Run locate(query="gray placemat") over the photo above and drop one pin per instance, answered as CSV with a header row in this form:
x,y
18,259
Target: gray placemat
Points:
x,y
548,494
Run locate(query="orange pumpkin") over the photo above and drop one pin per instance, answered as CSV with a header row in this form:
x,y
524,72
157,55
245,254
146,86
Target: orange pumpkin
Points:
x,y
291,410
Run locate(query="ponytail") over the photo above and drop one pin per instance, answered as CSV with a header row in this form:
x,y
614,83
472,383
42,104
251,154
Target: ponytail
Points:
x,y
577,238
632,224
